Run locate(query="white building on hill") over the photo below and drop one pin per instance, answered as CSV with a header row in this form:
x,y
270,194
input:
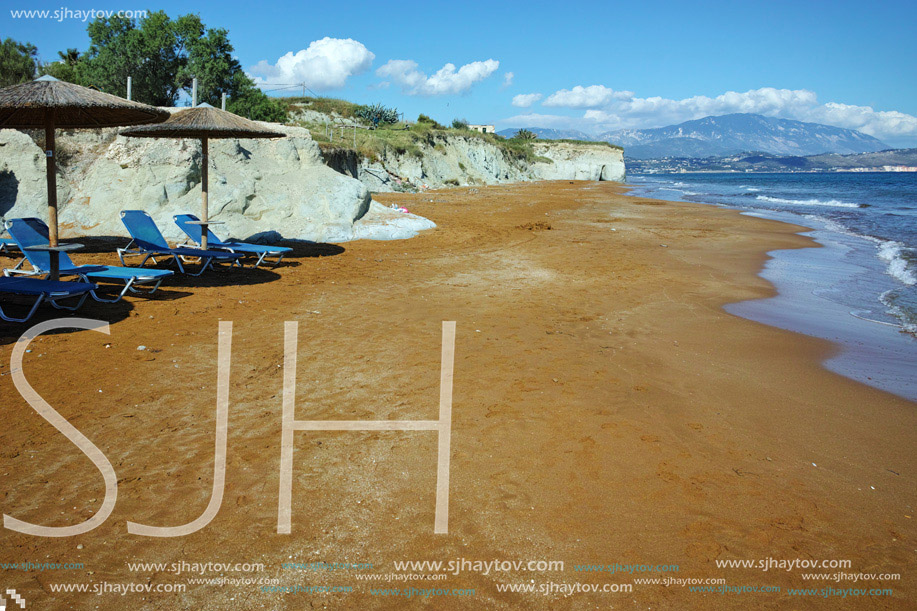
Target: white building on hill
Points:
x,y
484,129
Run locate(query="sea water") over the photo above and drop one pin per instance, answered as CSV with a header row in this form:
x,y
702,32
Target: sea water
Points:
x,y
859,290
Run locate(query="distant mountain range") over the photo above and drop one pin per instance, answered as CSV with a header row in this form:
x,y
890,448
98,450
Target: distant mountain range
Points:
x,y
733,134
729,135
545,133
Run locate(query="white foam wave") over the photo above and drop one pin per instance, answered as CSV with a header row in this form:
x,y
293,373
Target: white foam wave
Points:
x,y
889,251
892,253
831,203
887,300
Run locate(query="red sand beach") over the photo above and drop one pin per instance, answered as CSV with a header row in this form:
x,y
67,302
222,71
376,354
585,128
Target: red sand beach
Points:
x,y
606,410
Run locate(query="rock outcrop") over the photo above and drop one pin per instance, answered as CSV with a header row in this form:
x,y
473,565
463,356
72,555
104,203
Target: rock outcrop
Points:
x,y
259,189
461,160
574,161
263,190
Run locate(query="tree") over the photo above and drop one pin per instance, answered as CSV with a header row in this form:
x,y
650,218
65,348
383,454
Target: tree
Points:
x,y
460,123
524,134
249,101
151,51
17,62
70,57
163,56
67,68
210,60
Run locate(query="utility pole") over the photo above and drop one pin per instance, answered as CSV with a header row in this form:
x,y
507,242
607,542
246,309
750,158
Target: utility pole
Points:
x,y
194,91
128,88
223,105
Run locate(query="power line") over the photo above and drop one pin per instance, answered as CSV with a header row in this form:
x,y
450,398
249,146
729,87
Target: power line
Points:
x,y
286,86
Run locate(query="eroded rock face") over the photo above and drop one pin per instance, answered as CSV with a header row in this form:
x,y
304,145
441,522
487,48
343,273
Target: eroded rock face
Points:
x,y
258,188
23,189
579,162
459,160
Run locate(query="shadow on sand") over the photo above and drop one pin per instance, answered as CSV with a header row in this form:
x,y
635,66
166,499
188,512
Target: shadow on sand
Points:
x,y
175,288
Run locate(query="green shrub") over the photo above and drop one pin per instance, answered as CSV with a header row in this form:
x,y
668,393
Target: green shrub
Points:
x,y
251,102
460,123
424,119
377,114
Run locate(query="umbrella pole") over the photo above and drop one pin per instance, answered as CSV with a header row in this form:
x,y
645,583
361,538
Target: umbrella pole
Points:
x,y
204,180
51,177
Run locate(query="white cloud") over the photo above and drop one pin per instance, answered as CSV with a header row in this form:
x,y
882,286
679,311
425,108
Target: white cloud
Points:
x,y
881,124
608,110
508,79
326,64
447,80
593,96
524,100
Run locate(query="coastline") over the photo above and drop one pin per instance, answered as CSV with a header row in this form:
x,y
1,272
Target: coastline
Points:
x,y
836,292
872,352
607,409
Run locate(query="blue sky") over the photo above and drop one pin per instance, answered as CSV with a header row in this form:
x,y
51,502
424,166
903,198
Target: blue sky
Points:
x,y
593,66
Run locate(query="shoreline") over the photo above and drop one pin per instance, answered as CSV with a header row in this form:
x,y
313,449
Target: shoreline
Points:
x,y
606,409
808,298
872,352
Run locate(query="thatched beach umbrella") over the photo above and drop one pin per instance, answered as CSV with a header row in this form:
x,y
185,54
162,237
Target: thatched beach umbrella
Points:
x,y
205,122
50,104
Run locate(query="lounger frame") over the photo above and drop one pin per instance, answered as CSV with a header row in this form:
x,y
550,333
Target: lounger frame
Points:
x,y
135,284
51,297
177,258
215,243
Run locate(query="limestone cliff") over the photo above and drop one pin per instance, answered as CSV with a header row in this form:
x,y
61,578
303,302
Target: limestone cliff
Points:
x,y
461,160
266,189
259,189
575,161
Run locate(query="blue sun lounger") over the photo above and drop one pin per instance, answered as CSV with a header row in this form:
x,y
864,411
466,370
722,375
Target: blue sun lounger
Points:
x,y
33,232
184,222
148,243
44,290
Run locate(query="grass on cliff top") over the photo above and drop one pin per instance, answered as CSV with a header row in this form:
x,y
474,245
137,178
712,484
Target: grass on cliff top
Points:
x,y
617,147
408,139
326,106
404,138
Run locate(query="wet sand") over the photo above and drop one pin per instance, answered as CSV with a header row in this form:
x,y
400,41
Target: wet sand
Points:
x,y
606,410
